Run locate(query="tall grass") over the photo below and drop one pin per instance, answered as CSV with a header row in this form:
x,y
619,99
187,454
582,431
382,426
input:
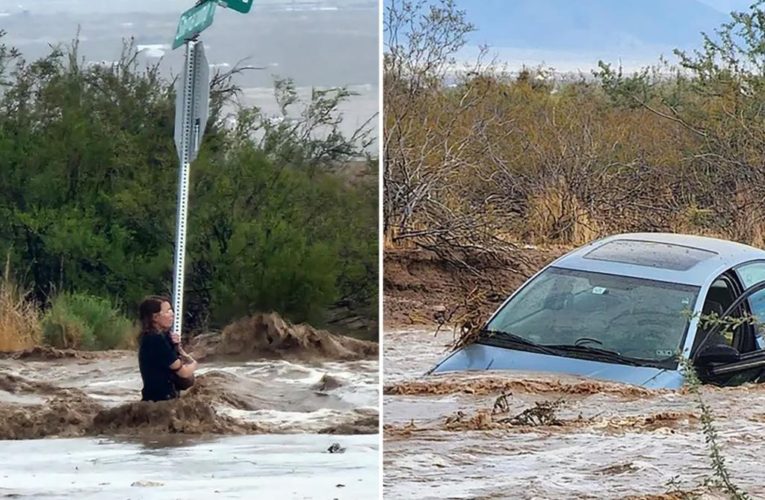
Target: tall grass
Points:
x,y
19,320
80,321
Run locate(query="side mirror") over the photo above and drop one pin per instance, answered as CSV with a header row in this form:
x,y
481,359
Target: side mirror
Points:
x,y
718,353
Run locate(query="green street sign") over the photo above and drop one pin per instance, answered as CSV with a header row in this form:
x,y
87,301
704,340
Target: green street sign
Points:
x,y
242,6
194,21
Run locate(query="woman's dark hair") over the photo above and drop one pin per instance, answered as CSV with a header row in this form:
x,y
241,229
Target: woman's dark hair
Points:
x,y
146,311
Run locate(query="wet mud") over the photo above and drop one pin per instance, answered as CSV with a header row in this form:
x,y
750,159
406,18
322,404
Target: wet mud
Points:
x,y
535,435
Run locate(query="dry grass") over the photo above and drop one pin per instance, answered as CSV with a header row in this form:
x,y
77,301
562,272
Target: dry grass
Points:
x,y
748,224
19,321
555,215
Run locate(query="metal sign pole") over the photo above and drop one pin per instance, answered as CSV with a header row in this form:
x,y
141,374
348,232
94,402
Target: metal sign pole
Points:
x,y
192,107
183,183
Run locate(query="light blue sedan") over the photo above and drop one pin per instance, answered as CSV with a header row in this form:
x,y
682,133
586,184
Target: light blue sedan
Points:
x,y
622,308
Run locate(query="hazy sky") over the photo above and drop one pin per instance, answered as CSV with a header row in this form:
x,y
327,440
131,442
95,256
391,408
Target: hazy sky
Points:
x,y
324,43
572,35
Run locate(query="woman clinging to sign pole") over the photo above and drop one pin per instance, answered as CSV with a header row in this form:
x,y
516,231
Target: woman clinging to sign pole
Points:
x,y
165,368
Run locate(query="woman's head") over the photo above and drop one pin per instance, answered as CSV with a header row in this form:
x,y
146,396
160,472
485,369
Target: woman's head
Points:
x,y
156,314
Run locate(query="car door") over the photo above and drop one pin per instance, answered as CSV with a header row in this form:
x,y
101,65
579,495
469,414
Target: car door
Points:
x,y
721,294
750,364
751,274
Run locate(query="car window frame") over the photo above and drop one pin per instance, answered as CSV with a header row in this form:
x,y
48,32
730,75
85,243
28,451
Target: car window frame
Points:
x,y
748,302
737,270
751,360
737,288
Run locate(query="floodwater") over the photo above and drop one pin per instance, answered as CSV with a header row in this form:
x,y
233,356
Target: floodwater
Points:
x,y
292,466
600,440
252,429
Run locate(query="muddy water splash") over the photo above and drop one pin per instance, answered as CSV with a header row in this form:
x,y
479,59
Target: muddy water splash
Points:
x,y
99,396
286,414
459,435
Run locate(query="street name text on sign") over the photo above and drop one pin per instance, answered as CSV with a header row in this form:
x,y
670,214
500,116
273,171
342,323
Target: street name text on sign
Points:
x,y
193,22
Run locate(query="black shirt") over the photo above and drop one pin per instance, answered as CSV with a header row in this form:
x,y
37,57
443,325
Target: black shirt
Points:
x,y
155,355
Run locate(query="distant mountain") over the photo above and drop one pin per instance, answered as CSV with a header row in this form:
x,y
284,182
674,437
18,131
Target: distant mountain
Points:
x,y
628,27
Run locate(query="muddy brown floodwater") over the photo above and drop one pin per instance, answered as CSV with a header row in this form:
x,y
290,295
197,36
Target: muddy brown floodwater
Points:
x,y
252,426
573,438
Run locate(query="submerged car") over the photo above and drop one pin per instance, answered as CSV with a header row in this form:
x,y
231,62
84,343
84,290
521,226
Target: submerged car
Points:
x,y
633,308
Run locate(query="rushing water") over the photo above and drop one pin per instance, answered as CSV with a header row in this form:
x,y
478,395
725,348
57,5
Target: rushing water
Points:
x,y
292,466
288,458
610,441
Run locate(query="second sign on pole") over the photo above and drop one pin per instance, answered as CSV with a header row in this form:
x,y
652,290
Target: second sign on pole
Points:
x,y
191,111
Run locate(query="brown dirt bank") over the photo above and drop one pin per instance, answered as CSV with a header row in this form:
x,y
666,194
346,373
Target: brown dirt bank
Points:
x,y
271,337
417,282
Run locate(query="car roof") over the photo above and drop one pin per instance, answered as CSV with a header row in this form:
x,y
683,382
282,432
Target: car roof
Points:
x,y
675,258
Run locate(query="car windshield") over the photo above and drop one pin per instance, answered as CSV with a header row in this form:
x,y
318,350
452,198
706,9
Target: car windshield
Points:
x,y
634,317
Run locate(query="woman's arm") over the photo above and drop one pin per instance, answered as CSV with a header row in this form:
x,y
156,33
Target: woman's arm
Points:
x,y
176,340
184,370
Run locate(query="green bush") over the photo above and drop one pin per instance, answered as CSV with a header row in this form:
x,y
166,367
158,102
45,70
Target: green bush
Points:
x,y
82,321
283,214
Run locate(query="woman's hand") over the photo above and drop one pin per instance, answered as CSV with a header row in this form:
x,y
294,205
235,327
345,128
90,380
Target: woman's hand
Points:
x,y
175,338
187,370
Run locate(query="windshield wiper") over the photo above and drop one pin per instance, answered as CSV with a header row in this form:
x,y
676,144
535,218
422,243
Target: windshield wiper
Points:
x,y
603,353
507,339
511,338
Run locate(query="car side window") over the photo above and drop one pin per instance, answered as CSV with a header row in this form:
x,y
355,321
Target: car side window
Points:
x,y
718,299
757,306
752,273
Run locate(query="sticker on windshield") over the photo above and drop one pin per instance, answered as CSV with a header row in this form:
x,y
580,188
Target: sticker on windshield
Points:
x,y
599,290
686,301
663,353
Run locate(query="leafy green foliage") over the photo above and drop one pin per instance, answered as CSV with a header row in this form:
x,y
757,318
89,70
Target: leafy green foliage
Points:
x,y
89,181
85,322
